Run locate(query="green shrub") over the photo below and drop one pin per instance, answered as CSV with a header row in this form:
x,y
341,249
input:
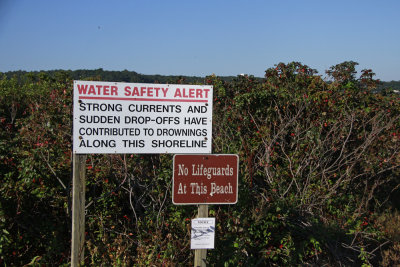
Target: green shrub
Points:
x,y
319,161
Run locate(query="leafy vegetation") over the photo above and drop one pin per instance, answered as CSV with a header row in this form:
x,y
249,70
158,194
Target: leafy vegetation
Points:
x,y
319,175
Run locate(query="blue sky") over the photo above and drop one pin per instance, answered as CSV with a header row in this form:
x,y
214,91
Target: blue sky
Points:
x,y
184,37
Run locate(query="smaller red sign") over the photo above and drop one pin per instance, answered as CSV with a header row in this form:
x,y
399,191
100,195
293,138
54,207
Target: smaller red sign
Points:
x,y
205,179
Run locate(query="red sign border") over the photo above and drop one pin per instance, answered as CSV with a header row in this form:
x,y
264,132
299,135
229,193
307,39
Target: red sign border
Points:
x,y
206,203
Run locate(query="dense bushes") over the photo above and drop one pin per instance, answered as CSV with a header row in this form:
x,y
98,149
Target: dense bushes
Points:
x,y
319,166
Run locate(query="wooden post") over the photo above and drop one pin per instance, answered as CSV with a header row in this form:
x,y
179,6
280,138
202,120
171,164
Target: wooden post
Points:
x,y
200,255
78,209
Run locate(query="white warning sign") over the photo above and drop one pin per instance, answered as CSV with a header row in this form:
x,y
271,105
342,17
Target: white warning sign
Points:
x,y
203,233
111,117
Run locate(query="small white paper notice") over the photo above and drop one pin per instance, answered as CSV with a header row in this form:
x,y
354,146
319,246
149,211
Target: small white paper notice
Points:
x,y
203,233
